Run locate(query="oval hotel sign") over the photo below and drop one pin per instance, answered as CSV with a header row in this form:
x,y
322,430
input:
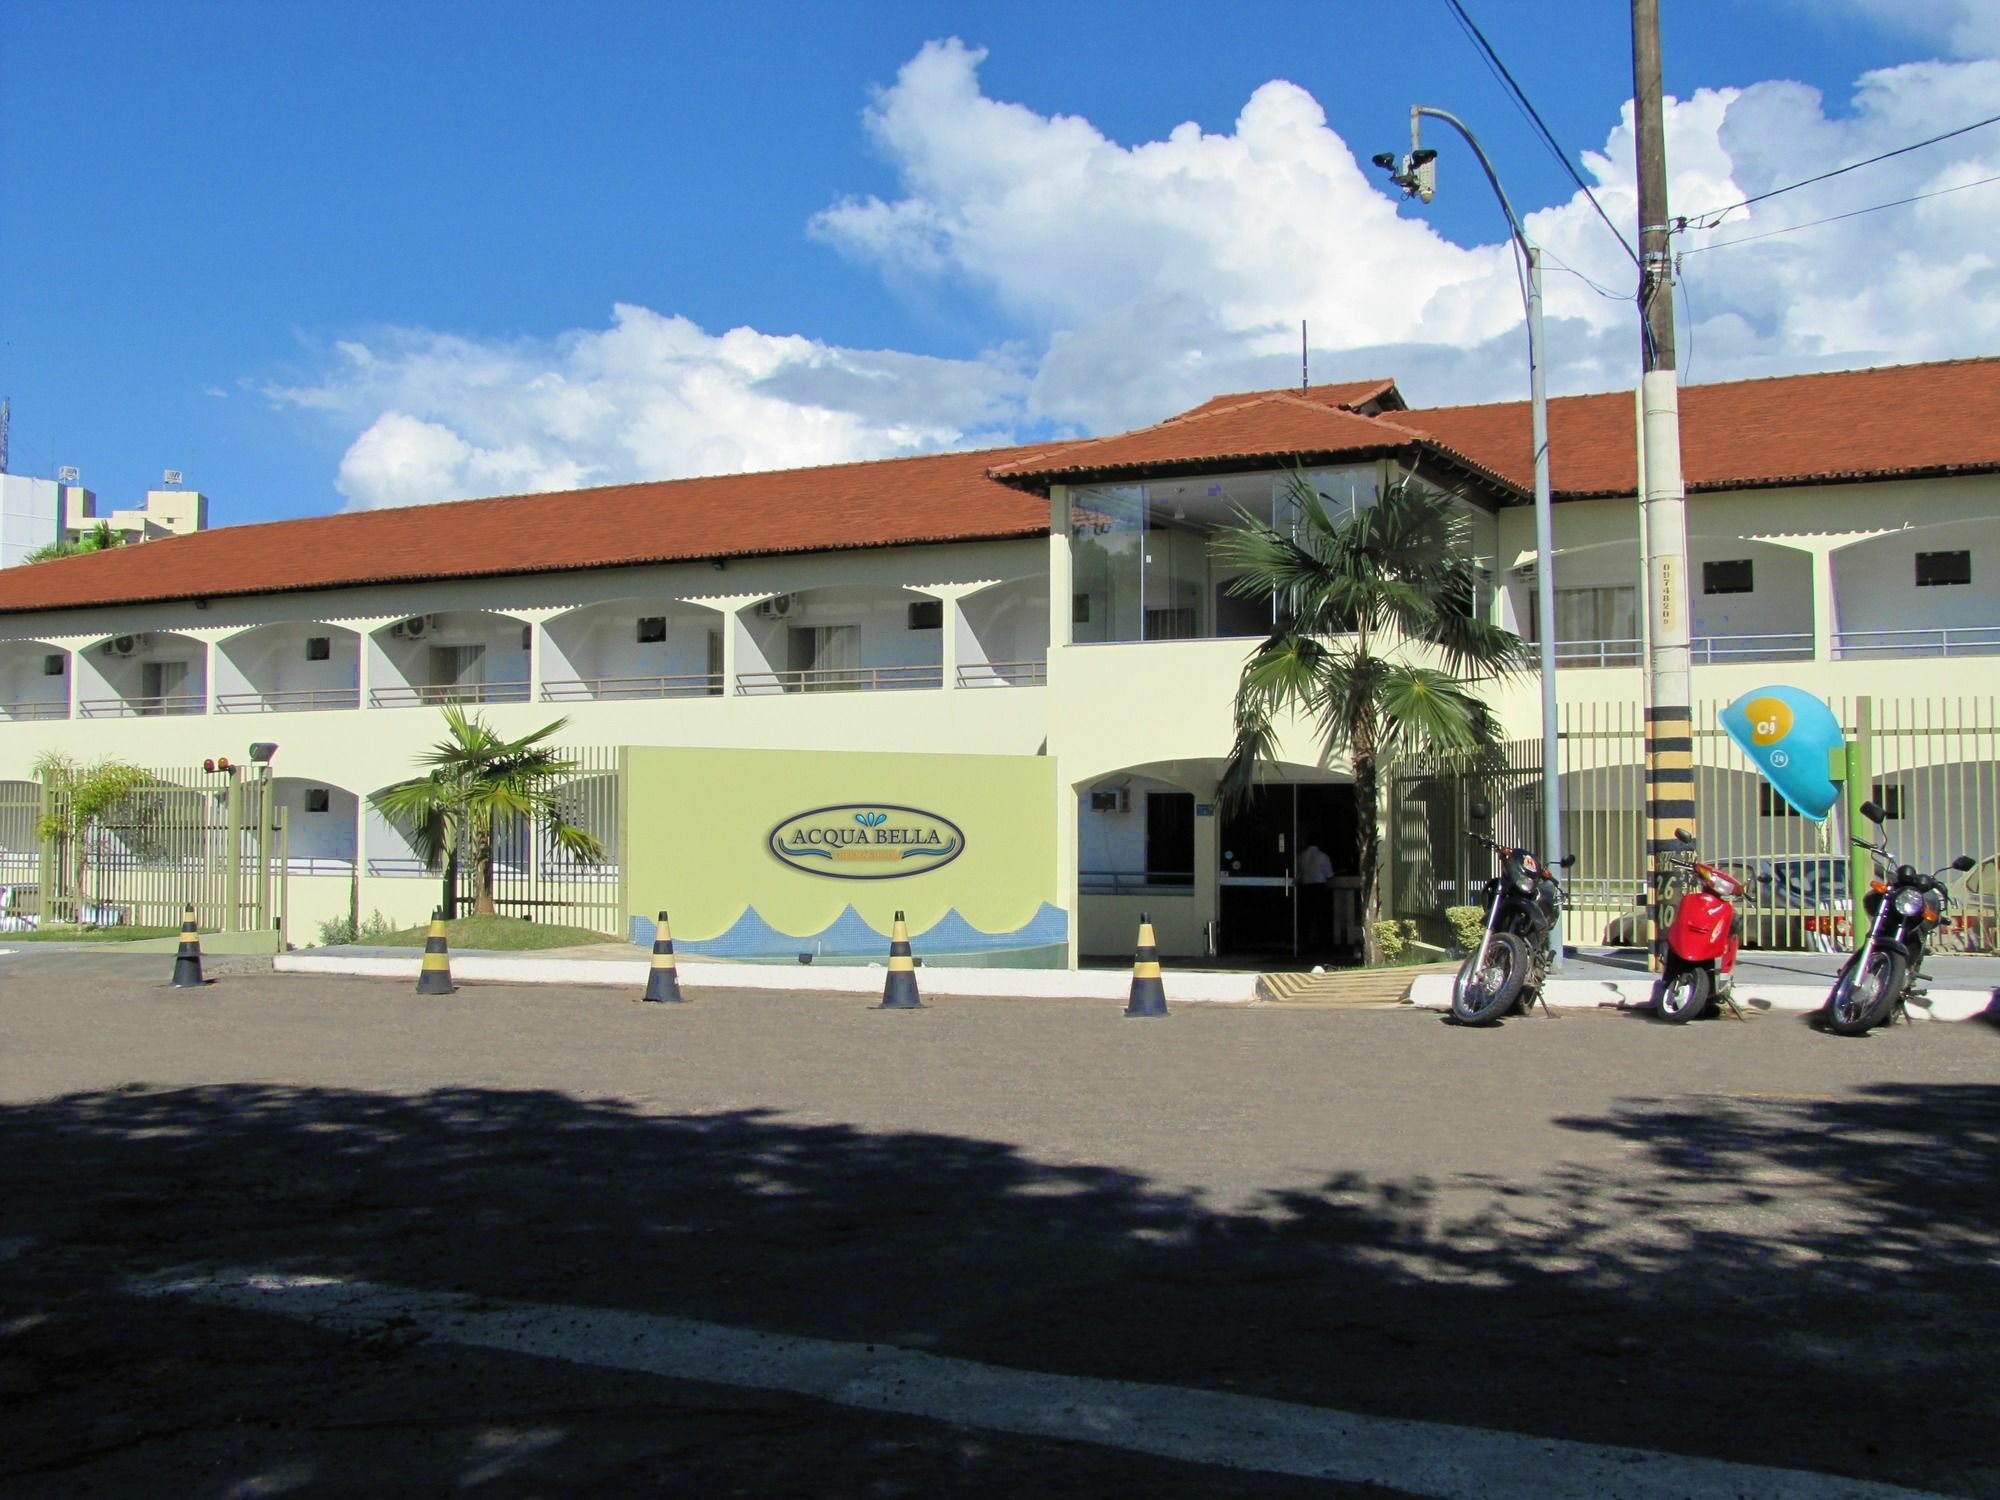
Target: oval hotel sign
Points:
x,y
867,841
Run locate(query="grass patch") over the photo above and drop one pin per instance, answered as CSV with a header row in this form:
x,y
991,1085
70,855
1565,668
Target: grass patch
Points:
x,y
506,934
86,935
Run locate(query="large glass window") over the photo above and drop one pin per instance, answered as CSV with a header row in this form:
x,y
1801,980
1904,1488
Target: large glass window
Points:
x,y
1142,566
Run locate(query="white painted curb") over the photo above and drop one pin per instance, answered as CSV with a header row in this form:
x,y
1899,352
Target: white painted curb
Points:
x,y
1433,992
1040,984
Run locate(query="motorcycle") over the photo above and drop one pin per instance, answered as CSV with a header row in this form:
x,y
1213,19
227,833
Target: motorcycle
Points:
x,y
1702,940
1512,961
1905,908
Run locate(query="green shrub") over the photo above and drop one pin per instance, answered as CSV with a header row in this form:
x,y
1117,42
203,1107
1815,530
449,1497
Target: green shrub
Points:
x,y
337,930
1468,925
1393,935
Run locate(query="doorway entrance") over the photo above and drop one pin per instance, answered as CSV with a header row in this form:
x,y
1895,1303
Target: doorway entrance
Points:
x,y
1270,905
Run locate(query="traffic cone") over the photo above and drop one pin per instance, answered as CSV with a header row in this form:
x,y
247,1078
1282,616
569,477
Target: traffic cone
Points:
x,y
899,991
187,961
434,978
1149,996
663,982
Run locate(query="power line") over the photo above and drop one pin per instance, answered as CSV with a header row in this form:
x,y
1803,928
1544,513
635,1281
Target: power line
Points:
x,y
1596,286
1718,214
1745,239
1547,136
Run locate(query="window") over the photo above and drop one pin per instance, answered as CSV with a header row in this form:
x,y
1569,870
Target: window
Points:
x,y
1890,800
652,629
1939,569
52,664
1771,805
317,799
1733,577
319,648
927,614
1603,623
1170,838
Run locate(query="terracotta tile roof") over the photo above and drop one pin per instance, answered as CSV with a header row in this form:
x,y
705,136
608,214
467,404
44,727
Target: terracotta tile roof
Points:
x,y
890,502
1351,395
1252,429
1901,420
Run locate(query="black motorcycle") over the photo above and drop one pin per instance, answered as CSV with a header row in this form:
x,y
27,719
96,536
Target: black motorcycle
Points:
x,y
1905,908
1515,951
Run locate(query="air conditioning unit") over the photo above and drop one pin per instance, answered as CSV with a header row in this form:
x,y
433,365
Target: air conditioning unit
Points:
x,y
777,607
1116,799
415,628
125,645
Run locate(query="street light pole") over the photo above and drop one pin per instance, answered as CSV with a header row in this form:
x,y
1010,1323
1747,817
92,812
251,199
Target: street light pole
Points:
x,y
1418,178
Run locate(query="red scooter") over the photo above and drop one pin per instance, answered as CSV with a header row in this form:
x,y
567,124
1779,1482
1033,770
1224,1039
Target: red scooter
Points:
x,y
1701,942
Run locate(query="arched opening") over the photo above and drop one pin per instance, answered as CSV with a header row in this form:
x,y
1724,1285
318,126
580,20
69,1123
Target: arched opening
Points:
x,y
298,666
1004,636
322,825
460,656
632,648
34,681
843,638
1925,591
147,674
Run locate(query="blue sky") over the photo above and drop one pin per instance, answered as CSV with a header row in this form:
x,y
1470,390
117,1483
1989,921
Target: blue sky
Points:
x,y
319,255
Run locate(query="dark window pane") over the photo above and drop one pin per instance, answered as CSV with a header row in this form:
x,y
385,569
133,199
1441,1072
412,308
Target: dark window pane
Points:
x,y
317,799
927,614
652,629
319,648
1170,838
1937,569
52,664
1727,577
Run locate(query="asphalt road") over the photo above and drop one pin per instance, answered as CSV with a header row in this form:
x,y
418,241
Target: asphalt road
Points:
x,y
1743,1242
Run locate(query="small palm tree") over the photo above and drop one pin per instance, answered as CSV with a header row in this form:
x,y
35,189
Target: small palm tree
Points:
x,y
100,538
1361,605
476,778
82,797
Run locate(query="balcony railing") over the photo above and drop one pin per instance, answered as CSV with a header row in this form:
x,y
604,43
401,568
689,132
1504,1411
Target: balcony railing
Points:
x,y
288,701
841,680
612,689
165,706
35,708
1703,650
1003,674
1947,640
431,695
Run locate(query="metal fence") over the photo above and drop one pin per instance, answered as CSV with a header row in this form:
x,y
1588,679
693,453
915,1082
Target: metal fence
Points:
x,y
186,836
1935,768
535,879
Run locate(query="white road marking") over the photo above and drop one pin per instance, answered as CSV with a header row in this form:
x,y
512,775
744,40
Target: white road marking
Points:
x,y
1175,1422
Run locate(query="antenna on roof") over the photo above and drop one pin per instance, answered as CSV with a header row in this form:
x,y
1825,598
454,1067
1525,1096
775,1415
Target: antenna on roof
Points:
x,y
1305,362
6,414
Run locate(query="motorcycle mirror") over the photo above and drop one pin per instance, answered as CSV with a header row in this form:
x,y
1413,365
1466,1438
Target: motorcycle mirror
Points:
x,y
1683,835
1963,863
1872,811
1480,812
1566,861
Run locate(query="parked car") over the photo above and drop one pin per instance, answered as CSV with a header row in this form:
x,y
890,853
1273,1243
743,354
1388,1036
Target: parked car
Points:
x,y
18,905
1796,903
1975,909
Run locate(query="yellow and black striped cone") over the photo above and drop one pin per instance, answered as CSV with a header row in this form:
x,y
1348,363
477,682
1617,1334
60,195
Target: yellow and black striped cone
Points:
x,y
1149,996
187,960
434,978
899,991
663,982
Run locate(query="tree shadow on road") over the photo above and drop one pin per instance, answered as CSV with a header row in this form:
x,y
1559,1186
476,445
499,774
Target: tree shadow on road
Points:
x,y
1803,1282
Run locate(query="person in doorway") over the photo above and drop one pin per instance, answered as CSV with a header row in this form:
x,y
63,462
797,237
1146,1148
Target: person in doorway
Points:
x,y
1315,899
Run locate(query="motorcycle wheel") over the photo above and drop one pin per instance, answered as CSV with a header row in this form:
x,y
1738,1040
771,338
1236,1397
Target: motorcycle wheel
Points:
x,y
1686,994
1483,997
1861,1002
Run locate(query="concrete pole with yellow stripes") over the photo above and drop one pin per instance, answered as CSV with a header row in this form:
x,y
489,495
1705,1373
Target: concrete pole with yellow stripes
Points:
x,y
1670,800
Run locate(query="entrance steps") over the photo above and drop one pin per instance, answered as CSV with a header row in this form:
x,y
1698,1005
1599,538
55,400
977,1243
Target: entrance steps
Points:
x,y
1353,988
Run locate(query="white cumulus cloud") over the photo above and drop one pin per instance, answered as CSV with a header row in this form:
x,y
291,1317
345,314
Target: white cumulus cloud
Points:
x,y
1139,280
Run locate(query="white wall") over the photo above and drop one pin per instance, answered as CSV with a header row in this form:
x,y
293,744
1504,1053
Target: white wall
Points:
x,y
1877,579
22,679
272,659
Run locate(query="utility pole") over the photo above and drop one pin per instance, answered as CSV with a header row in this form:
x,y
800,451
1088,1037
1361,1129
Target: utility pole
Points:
x,y
1669,718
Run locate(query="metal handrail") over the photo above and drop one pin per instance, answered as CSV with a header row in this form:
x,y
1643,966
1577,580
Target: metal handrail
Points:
x,y
35,708
433,694
1003,674
606,689
142,708
841,680
1628,651
288,700
1945,640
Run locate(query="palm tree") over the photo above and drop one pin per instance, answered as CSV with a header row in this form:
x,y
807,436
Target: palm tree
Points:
x,y
100,538
476,778
1361,604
